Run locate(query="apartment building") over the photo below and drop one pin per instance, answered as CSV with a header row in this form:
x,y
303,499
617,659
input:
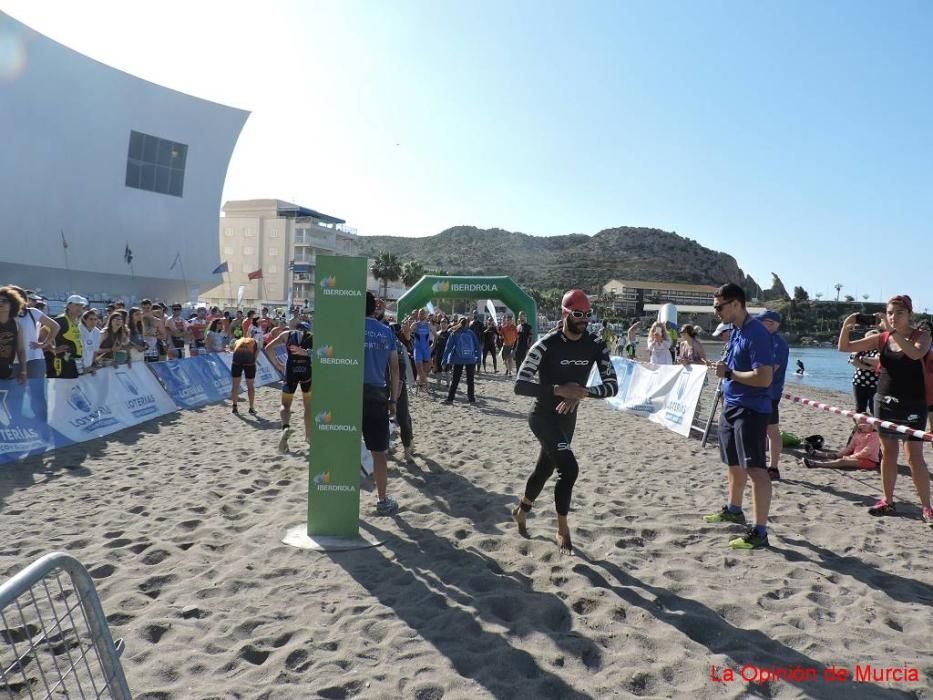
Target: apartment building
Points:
x,y
280,239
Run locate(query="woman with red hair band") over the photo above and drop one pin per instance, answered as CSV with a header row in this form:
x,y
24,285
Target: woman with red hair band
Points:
x,y
900,398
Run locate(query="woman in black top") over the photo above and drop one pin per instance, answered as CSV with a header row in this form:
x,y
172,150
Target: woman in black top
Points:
x,y
900,397
524,339
12,347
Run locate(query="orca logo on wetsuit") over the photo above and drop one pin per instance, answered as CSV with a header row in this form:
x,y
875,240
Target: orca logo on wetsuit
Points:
x,y
575,362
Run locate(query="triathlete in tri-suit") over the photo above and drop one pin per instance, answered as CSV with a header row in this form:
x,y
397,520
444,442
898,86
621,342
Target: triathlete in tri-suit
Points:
x,y
421,338
245,352
555,372
297,372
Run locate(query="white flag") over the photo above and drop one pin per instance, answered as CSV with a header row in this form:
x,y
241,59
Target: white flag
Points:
x,y
430,307
491,308
239,294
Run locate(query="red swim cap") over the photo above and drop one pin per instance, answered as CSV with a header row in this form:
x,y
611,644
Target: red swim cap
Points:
x,y
575,300
904,301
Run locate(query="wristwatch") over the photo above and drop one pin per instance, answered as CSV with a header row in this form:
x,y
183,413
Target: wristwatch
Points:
x,y
728,374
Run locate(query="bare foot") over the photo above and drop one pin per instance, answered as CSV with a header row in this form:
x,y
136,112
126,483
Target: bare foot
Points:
x,y
564,544
519,516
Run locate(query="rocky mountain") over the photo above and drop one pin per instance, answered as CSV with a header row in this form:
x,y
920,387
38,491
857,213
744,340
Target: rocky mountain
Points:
x,y
574,260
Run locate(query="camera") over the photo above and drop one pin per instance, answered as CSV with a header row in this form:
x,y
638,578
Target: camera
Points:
x,y
865,319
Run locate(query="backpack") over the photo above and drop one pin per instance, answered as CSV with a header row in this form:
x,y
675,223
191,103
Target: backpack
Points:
x,y
926,363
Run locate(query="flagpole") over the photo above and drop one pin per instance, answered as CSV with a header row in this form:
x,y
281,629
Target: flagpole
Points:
x,y
71,282
184,277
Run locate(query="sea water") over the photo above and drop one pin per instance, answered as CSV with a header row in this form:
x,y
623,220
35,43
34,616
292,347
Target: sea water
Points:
x,y
826,368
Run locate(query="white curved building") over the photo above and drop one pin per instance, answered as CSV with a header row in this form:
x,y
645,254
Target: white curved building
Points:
x,y
102,160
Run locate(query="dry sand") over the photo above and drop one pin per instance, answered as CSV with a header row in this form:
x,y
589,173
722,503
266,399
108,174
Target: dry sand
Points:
x,y
189,510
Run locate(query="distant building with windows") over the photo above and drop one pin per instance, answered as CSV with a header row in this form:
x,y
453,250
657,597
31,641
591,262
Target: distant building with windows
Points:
x,y
283,241
640,295
97,163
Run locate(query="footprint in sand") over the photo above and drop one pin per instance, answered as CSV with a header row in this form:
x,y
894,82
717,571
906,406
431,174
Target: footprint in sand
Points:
x,y
153,586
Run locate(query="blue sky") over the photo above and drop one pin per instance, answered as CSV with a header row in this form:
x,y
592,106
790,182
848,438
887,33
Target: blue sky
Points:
x,y
796,136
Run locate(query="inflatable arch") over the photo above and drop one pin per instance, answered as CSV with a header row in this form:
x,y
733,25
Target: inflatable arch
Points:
x,y
501,288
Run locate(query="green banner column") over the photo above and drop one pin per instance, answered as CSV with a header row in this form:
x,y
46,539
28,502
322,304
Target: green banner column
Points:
x,y
337,397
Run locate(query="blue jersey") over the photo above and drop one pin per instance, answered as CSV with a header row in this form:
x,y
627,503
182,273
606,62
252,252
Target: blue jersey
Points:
x,y
378,345
781,357
750,346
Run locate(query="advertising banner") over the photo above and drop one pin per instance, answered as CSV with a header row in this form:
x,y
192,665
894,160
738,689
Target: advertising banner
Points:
x,y
112,399
337,400
192,382
665,394
24,429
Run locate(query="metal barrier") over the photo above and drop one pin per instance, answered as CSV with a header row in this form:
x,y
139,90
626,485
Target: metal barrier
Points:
x,y
56,638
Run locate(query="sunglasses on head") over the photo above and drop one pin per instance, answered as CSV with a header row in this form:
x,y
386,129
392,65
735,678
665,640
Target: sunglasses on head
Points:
x,y
720,307
576,313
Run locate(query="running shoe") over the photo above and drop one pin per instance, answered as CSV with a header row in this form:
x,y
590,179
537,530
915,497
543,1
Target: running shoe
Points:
x,y
750,540
386,507
725,516
235,411
881,507
283,441
774,473
928,516
448,402
252,412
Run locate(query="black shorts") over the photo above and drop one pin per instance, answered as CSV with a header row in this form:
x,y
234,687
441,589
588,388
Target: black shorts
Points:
x,y
238,369
375,418
775,412
743,437
912,414
292,383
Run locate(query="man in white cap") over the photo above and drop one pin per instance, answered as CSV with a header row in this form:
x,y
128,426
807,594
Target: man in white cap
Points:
x,y
68,346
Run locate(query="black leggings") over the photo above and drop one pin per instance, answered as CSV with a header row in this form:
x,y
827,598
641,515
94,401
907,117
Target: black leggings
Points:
x,y
486,351
864,399
455,380
403,416
554,432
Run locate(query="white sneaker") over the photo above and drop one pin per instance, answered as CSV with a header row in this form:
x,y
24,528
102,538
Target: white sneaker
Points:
x,y
283,441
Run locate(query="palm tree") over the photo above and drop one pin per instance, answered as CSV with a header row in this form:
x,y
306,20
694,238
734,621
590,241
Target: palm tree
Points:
x,y
386,268
412,271
818,295
838,288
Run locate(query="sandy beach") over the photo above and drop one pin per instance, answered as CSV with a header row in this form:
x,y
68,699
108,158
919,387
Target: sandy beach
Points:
x,y
190,509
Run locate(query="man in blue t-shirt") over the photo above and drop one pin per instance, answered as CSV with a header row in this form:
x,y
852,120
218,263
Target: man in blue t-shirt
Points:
x,y
379,357
747,370
772,321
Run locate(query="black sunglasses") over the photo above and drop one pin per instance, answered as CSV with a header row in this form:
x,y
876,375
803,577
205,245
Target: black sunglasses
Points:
x,y
720,307
576,313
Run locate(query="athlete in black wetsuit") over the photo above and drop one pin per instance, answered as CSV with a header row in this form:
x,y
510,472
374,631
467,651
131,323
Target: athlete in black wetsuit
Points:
x,y
555,372
297,372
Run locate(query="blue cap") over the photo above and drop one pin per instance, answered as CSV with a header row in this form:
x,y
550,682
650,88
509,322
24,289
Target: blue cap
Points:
x,y
304,326
769,316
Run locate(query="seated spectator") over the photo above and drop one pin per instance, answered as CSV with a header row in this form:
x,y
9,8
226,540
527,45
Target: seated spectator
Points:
x,y
862,452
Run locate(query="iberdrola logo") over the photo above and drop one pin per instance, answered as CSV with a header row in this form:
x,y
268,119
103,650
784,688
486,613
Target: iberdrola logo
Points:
x,y
322,483
440,287
326,356
329,282
325,421
326,351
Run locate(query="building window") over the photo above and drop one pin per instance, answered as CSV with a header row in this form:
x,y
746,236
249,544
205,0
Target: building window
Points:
x,y
155,164
273,269
247,232
248,250
228,232
273,234
228,250
273,252
246,267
